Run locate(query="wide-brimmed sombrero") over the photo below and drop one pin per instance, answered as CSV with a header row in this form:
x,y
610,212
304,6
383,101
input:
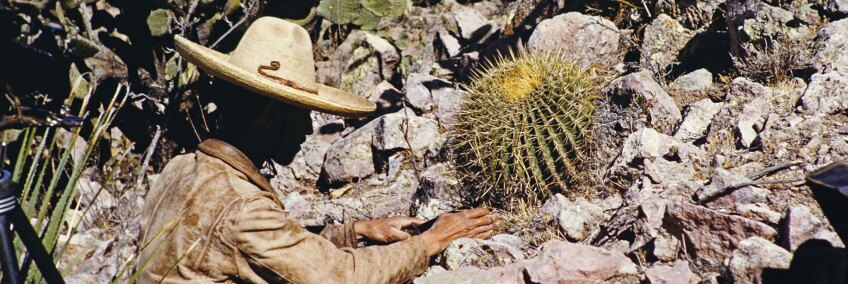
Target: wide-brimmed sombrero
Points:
x,y
274,59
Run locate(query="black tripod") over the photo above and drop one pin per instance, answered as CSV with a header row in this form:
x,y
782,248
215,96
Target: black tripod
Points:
x,y
11,214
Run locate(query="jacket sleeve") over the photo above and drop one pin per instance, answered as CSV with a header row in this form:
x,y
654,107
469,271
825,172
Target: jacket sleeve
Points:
x,y
283,251
343,236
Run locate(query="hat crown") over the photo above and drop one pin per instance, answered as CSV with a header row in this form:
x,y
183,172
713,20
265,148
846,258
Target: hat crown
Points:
x,y
270,40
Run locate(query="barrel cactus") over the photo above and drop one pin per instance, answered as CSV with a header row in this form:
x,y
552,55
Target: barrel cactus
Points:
x,y
524,126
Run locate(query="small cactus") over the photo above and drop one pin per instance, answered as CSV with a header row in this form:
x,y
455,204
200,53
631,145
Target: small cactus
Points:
x,y
523,127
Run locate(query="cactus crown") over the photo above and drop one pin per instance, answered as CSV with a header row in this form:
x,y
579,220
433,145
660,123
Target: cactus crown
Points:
x,y
524,125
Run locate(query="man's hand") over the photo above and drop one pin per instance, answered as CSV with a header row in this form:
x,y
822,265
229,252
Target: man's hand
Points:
x,y
386,230
474,223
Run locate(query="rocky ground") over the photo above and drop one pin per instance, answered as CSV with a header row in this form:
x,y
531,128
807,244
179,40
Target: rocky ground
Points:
x,y
703,137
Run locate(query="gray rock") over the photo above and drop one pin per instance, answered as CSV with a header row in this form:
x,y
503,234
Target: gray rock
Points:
x,y
449,43
548,214
694,14
752,120
759,212
474,275
648,144
835,6
593,38
499,250
387,98
558,264
469,21
350,158
662,41
755,22
677,273
713,236
418,90
405,130
641,90
831,46
697,120
753,255
666,246
694,81
827,93
437,191
448,103
579,219
743,89
722,182
801,225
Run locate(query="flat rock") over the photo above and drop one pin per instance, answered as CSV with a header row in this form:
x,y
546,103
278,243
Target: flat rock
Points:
x,y
350,158
593,38
405,130
697,119
639,89
753,255
663,40
712,236
558,264
469,21
752,120
498,250
694,81
579,218
677,273
827,93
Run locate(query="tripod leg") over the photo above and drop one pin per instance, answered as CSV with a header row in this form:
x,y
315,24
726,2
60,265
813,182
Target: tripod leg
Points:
x,y
32,241
7,253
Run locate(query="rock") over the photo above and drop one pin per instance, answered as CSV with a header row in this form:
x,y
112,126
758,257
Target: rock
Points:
x,y
753,255
677,273
437,191
755,22
449,43
662,41
831,46
159,22
648,144
558,264
81,47
405,130
418,90
499,250
548,214
360,63
711,236
579,219
694,14
386,97
473,275
752,120
839,7
594,39
694,81
697,120
827,93
722,182
666,247
800,225
759,212
448,103
350,158
469,21
388,53
641,90
743,89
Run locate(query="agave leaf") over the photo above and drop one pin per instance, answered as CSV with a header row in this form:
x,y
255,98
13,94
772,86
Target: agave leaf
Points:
x,y
387,8
340,11
367,20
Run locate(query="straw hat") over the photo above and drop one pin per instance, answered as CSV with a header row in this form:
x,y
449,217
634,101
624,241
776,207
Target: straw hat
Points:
x,y
274,59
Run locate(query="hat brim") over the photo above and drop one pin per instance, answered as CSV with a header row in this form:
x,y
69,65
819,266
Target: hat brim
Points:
x,y
328,99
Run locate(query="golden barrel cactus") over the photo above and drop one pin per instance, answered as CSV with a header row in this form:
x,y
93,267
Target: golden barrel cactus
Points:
x,y
523,127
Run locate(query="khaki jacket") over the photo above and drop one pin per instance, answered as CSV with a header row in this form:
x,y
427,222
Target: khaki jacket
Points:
x,y
211,218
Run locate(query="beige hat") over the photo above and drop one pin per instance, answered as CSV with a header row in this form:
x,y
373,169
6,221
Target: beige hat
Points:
x,y
274,59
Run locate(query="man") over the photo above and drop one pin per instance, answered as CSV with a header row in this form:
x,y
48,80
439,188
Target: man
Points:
x,y
210,216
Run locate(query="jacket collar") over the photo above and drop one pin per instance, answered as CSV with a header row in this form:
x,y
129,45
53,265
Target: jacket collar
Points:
x,y
235,158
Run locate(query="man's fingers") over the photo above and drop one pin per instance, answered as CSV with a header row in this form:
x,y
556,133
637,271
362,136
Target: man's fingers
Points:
x,y
398,235
481,230
484,236
414,220
477,212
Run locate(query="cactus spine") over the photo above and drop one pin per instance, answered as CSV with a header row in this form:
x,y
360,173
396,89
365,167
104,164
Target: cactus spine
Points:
x,y
524,125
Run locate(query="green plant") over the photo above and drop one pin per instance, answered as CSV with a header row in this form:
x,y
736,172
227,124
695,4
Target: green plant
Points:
x,y
523,127
43,161
364,13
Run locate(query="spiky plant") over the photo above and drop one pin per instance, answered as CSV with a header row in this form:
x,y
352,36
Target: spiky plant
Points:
x,y
523,127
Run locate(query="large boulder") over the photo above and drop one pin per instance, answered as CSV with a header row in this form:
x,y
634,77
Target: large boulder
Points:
x,y
711,236
592,38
